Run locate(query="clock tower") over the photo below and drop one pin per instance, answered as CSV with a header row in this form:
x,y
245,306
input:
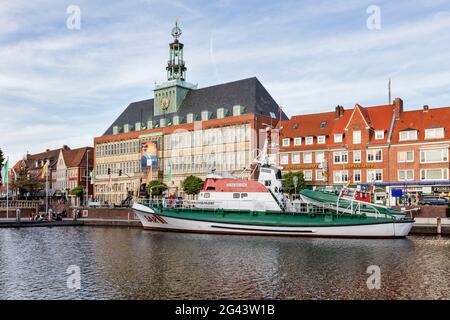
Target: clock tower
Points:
x,y
170,94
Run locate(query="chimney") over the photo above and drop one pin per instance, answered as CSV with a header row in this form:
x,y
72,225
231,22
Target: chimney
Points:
x,y
66,147
398,108
425,108
338,112
47,150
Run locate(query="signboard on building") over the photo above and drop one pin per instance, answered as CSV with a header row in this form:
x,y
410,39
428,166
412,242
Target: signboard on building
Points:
x,y
149,155
441,189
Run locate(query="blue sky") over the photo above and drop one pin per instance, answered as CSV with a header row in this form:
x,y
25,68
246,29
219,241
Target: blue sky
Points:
x,y
60,86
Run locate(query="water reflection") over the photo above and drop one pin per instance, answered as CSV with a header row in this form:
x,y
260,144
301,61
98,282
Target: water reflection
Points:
x,y
136,264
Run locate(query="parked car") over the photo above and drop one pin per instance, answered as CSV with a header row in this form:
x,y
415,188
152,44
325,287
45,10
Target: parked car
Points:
x,y
433,201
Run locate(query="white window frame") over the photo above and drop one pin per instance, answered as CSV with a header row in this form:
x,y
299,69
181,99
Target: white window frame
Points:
x,y
286,142
321,139
406,156
319,175
354,175
444,155
340,174
357,137
293,157
340,154
310,178
338,137
305,158
431,133
405,172
284,159
309,140
354,157
379,134
369,175
317,158
374,152
444,172
297,141
408,135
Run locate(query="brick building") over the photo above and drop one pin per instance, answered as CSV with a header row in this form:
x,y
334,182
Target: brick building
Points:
x,y
380,145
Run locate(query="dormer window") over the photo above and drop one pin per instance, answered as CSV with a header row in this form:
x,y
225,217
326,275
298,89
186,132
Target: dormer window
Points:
x,y
221,113
162,122
338,137
137,126
379,134
286,142
115,130
237,110
126,128
295,126
323,124
434,133
149,124
205,115
321,139
298,141
408,135
190,118
309,140
176,120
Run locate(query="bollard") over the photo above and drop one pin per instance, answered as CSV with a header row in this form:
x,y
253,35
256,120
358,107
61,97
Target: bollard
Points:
x,y
438,223
18,215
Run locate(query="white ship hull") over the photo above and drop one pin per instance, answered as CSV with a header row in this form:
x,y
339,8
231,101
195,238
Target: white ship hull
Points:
x,y
152,221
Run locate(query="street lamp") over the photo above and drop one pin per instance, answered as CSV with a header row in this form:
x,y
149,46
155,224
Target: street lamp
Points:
x,y
87,177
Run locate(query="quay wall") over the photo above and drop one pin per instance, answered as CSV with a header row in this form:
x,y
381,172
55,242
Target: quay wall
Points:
x,y
24,213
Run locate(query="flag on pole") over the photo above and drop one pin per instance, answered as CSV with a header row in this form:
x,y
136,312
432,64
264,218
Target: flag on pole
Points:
x,y
5,177
44,171
15,174
92,177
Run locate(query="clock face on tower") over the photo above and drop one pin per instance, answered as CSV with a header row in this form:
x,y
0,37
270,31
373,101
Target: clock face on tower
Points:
x,y
165,102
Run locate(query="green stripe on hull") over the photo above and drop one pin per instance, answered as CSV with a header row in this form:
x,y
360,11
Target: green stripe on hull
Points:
x,y
275,218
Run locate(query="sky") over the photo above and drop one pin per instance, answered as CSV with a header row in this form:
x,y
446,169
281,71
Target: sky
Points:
x,y
61,84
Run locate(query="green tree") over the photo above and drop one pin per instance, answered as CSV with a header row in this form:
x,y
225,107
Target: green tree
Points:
x,y
192,185
288,182
156,188
26,184
77,191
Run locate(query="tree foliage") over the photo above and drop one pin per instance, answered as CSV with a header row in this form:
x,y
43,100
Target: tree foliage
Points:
x,y
192,185
27,184
77,191
288,182
156,188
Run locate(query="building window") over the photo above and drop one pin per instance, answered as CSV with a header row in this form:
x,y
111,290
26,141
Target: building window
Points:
x,y
319,156
286,142
356,137
357,156
309,140
408,135
319,175
220,113
307,175
237,110
405,156
307,157
176,120
379,134
205,115
340,157
284,159
405,175
375,155
115,130
323,124
321,139
434,155
297,141
162,122
434,174
434,133
190,118
149,124
357,176
137,126
375,175
340,176
337,137
126,128
295,158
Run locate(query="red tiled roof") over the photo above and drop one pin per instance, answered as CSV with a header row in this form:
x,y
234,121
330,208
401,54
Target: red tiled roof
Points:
x,y
421,120
77,157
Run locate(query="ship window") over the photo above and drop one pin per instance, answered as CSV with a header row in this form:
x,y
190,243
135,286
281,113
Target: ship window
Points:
x,y
235,195
244,195
211,188
278,175
207,195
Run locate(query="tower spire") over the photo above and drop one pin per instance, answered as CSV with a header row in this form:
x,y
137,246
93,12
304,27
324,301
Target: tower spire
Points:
x,y
176,68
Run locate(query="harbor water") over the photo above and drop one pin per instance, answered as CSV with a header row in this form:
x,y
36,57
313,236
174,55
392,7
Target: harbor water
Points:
x,y
122,263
